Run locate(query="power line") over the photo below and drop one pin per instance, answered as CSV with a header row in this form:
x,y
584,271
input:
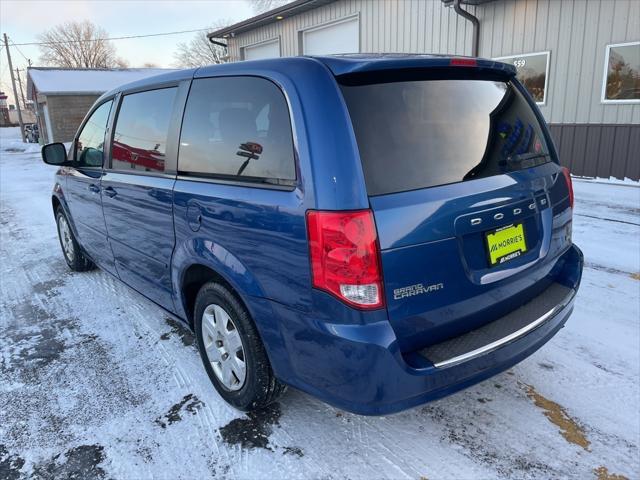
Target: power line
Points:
x,y
112,38
19,51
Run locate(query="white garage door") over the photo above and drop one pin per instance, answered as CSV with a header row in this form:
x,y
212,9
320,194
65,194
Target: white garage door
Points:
x,y
338,37
270,49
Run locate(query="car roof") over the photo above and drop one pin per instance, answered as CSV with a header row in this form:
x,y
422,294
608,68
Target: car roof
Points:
x,y
154,80
359,62
338,65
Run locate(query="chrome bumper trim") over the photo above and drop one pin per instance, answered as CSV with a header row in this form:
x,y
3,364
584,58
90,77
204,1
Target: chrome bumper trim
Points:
x,y
509,338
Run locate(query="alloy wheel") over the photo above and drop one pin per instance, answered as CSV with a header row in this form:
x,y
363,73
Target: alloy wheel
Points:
x,y
224,348
65,238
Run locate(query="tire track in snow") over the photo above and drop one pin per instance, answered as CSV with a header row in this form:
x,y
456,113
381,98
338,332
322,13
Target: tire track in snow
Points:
x,y
207,426
505,436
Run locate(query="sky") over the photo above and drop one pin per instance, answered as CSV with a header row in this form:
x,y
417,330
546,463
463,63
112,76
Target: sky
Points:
x,y
24,20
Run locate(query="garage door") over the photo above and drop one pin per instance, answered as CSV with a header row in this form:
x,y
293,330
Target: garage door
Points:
x,y
337,37
270,49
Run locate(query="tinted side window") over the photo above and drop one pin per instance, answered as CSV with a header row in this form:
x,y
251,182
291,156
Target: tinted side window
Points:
x,y
142,127
237,127
90,143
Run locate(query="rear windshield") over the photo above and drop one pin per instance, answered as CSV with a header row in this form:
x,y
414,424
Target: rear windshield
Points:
x,y
420,134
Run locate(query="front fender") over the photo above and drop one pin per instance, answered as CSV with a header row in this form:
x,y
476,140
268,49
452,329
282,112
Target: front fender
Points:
x,y
58,198
205,252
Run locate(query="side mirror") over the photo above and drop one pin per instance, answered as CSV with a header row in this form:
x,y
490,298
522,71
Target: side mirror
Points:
x,y
54,154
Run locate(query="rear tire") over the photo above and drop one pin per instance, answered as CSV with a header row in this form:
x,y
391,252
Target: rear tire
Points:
x,y
231,350
73,254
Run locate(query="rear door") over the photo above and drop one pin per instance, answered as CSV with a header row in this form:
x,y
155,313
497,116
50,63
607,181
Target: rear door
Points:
x,y
82,191
137,189
461,181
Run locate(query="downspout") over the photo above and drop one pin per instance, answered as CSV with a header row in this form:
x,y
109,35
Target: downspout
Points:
x,y
476,26
221,44
216,42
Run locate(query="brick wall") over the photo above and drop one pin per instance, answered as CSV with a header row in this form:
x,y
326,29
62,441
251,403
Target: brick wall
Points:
x,y
66,113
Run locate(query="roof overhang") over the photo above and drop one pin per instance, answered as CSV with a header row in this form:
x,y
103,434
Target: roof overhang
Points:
x,y
275,15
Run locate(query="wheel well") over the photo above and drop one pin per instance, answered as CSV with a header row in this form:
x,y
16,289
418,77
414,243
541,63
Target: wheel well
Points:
x,y
55,203
194,278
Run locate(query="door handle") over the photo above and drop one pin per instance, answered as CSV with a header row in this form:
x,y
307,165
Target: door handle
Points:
x,y
110,192
94,188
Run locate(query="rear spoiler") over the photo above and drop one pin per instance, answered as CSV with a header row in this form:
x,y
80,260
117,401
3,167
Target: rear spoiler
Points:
x,y
346,64
353,70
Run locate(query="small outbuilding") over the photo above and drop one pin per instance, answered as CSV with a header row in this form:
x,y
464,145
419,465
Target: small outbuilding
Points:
x,y
63,96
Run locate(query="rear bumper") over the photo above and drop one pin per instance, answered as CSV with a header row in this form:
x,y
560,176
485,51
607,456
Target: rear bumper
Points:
x,y
360,368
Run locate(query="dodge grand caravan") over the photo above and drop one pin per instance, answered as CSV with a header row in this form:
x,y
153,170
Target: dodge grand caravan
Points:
x,y
377,231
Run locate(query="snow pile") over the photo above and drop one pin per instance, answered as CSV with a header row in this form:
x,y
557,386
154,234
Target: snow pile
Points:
x,y
11,142
611,180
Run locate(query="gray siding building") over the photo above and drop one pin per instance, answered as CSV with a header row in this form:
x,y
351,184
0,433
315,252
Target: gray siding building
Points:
x,y
580,59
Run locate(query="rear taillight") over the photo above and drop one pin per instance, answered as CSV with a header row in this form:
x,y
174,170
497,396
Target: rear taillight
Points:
x,y
567,177
344,256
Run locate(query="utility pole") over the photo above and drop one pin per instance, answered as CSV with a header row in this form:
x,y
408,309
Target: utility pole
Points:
x,y
24,103
13,84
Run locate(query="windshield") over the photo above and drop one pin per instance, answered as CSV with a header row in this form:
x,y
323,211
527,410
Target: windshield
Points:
x,y
421,134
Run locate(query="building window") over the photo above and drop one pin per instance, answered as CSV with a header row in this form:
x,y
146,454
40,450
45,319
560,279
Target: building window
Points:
x,y
532,72
622,73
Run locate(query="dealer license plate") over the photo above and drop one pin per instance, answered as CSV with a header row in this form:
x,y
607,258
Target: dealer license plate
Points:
x,y
505,244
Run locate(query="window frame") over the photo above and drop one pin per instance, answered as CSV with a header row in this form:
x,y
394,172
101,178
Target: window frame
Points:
x,y
106,153
603,93
547,53
243,181
173,135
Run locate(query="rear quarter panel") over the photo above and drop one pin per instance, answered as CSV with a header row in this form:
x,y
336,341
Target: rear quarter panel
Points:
x,y
256,237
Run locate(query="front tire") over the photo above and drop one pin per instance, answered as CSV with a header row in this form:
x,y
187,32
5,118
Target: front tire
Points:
x,y
231,350
73,254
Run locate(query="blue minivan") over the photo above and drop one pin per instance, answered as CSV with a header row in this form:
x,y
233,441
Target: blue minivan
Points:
x,y
376,230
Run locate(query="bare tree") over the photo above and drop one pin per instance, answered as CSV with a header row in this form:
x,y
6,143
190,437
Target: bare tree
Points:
x,y
120,63
199,51
78,45
261,6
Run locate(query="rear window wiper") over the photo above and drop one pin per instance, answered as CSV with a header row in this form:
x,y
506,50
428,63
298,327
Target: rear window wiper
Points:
x,y
528,157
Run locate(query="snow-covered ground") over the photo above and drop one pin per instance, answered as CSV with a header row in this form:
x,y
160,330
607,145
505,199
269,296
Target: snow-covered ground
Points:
x,y
97,382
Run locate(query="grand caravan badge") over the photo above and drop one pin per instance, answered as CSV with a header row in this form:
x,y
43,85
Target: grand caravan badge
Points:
x,y
417,289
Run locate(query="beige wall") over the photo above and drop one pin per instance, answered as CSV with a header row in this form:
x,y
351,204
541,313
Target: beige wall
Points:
x,y
27,116
575,32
